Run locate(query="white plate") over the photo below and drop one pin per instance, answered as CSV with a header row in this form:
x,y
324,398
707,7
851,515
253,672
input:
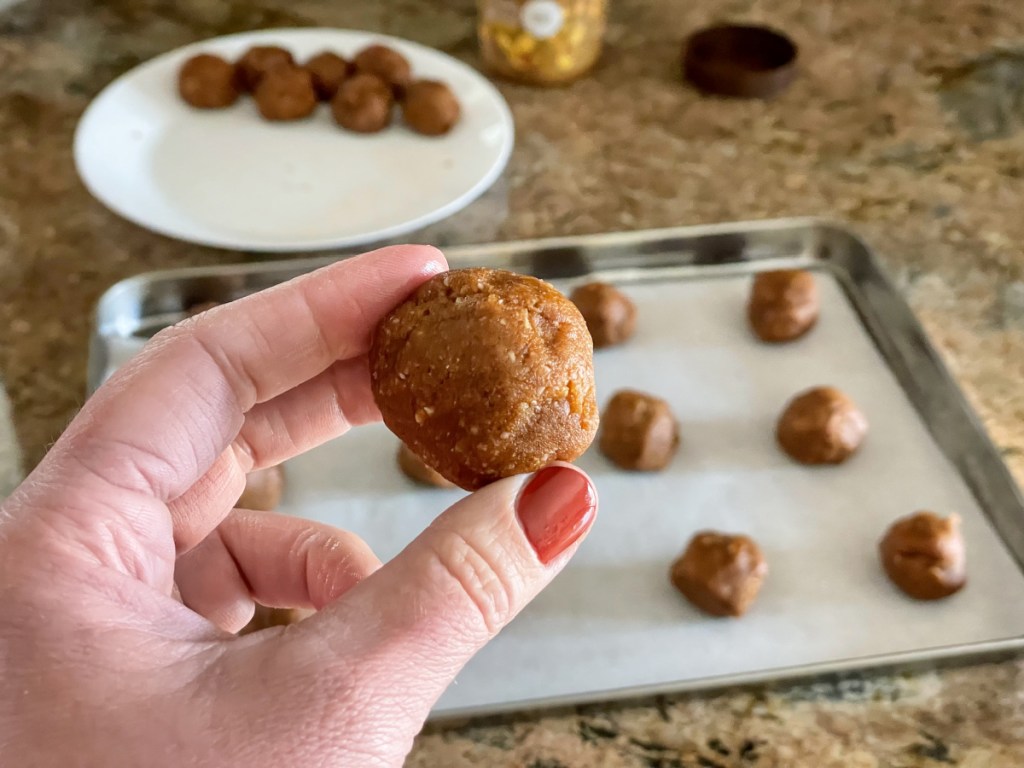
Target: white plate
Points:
x,y
228,178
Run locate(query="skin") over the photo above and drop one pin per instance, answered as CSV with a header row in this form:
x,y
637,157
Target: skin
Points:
x,y
124,569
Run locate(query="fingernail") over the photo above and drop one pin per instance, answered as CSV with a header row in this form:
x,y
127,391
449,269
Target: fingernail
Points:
x,y
556,507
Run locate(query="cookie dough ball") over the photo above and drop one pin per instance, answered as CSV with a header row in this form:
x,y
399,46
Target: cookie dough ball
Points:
x,y
484,374
638,431
784,305
387,64
923,555
257,62
286,94
207,82
719,573
329,71
263,489
363,104
610,314
821,426
430,108
416,469
265,617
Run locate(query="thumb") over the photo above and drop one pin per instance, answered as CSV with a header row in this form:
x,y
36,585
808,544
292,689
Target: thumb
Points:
x,y
403,633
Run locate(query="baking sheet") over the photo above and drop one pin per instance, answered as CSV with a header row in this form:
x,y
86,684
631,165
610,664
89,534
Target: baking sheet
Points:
x,y
611,621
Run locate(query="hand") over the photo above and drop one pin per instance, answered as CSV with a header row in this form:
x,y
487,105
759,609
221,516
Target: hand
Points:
x,y
103,666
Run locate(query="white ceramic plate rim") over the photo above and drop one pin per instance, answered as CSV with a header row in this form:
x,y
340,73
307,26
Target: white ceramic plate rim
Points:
x,y
284,36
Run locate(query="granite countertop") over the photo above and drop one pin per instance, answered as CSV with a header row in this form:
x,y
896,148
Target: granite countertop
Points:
x,y
907,122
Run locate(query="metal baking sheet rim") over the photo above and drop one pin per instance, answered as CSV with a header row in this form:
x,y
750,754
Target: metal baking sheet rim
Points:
x,y
726,249
911,661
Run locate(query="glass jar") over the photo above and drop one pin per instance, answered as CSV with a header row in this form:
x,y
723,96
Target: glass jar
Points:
x,y
543,42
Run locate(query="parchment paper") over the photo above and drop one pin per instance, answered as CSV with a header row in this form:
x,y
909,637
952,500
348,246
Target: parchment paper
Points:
x,y
611,620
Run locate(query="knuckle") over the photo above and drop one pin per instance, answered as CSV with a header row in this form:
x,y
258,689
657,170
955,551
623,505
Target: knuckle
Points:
x,y
333,562
172,334
480,574
244,451
196,338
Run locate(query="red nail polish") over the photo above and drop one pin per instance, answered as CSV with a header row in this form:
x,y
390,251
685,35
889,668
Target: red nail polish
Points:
x,y
555,508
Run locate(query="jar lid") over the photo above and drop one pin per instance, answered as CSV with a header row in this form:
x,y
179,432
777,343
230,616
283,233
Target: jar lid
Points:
x,y
743,61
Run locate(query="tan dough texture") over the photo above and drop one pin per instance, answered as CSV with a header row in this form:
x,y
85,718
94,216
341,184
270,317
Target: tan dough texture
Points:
x,y
610,314
329,71
264,618
257,62
363,104
207,82
486,373
923,554
263,489
387,64
783,305
416,469
429,107
719,573
286,94
821,426
638,431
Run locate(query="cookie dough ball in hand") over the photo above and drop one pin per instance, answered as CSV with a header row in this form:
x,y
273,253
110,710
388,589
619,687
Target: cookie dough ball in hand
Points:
x,y
329,71
363,104
257,62
485,374
610,314
416,469
821,426
430,108
719,573
784,305
387,64
638,431
263,489
923,555
286,94
207,82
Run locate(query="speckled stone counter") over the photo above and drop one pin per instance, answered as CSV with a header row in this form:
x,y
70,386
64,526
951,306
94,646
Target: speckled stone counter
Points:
x,y
907,122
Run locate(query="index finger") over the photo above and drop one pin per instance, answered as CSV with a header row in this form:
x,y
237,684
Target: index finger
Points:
x,y
162,420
